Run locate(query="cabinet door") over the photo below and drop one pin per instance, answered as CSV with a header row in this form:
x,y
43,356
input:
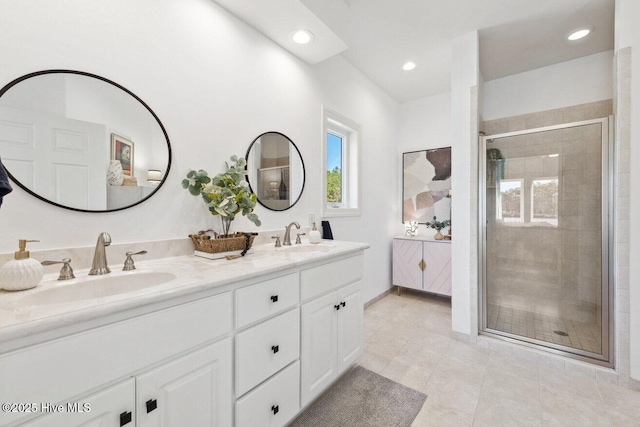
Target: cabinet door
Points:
x,y
194,390
407,258
437,273
111,407
318,353
350,325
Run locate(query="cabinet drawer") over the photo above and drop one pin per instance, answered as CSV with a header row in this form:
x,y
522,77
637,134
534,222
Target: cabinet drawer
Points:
x,y
58,370
266,298
263,350
281,394
318,280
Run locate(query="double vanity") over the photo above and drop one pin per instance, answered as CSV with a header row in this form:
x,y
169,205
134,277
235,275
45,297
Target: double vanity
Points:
x,y
184,341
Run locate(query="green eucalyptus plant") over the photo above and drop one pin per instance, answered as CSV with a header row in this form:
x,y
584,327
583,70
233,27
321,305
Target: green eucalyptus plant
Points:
x,y
226,194
438,225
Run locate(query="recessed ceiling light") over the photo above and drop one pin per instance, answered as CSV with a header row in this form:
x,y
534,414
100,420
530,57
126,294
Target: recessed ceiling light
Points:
x,y
577,35
409,66
554,155
302,36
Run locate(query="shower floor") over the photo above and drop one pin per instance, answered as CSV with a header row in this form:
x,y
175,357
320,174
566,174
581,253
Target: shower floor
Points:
x,y
581,336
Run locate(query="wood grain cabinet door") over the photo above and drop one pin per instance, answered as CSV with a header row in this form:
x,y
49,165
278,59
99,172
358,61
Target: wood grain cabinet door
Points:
x,y
437,273
407,259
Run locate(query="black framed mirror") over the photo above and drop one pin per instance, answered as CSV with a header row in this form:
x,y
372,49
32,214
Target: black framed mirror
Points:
x,y
275,171
81,142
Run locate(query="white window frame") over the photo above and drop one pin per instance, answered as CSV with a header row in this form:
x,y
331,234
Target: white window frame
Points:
x,y
522,206
543,221
350,132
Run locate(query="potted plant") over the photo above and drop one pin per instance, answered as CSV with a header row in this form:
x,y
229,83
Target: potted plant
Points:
x,y
438,225
226,194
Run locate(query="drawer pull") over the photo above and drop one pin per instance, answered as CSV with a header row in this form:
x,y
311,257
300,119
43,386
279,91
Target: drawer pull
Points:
x,y
337,307
274,298
275,349
151,405
343,303
275,409
125,418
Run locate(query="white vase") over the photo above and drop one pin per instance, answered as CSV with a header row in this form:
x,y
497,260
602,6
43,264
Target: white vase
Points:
x,y
115,176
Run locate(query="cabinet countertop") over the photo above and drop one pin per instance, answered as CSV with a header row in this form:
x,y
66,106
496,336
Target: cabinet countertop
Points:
x,y
19,318
422,239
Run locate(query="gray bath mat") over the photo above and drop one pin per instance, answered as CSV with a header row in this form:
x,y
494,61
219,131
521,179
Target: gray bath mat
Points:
x,y
363,398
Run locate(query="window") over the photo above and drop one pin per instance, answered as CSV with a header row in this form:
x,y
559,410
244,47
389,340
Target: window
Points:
x,y
544,201
340,165
511,207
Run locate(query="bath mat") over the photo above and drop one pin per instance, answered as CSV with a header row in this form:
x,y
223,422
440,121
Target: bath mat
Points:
x,y
363,398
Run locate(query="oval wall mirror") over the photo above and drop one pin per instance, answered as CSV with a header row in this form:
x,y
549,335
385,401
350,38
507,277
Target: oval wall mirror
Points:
x,y
81,142
275,171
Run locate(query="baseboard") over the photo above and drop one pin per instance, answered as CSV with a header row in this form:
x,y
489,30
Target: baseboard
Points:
x,y
459,336
377,298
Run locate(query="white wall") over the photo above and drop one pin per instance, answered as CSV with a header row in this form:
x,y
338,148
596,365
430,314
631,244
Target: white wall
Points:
x,y
580,81
216,84
424,124
628,35
465,74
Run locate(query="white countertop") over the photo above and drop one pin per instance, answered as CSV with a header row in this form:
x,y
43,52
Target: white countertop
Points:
x,y
422,239
20,317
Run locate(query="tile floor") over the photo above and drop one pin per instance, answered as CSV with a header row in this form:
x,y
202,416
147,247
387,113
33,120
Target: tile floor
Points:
x,y
408,340
583,336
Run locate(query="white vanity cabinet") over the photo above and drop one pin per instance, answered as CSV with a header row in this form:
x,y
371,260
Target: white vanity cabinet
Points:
x,y
61,369
193,390
332,331
111,407
251,353
422,264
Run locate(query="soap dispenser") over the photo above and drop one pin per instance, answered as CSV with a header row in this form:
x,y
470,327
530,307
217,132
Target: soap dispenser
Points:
x,y
23,272
314,235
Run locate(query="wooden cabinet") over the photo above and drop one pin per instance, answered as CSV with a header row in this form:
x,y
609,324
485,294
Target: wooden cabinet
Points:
x,y
424,265
332,338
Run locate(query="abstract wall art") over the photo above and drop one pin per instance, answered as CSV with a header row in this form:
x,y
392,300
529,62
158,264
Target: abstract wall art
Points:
x,y
426,182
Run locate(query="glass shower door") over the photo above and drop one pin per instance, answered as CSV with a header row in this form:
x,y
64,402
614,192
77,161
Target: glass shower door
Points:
x,y
545,242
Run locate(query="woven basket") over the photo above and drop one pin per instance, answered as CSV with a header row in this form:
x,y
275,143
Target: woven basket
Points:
x,y
233,242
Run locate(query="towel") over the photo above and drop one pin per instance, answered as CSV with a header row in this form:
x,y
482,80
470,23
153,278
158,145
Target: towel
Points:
x,y
326,231
5,186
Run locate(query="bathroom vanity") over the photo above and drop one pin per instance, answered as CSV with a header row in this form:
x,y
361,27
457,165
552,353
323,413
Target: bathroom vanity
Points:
x,y
184,341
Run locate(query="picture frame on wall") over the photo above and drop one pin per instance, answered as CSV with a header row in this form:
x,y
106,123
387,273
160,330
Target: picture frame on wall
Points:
x,y
426,185
122,150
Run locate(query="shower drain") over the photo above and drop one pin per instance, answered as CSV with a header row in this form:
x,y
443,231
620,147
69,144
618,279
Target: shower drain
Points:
x,y
562,334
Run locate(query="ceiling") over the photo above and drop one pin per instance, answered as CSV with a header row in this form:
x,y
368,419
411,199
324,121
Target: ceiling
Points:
x,y
379,36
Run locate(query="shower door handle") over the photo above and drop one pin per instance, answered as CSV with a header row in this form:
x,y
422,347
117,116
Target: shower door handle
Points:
x,y
422,265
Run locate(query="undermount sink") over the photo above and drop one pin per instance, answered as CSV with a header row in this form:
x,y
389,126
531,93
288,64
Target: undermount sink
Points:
x,y
99,287
306,248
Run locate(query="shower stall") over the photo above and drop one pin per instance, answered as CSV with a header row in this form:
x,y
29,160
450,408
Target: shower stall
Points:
x,y
546,246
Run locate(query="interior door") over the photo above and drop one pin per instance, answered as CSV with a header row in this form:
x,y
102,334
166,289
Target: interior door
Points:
x,y
63,160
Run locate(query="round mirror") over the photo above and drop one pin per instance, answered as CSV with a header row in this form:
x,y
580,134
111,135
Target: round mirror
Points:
x,y
81,142
275,171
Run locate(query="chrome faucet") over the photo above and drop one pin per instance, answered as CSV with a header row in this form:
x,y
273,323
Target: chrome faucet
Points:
x,y
99,265
287,233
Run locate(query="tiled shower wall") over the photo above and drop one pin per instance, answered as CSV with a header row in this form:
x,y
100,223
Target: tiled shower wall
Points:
x,y
539,268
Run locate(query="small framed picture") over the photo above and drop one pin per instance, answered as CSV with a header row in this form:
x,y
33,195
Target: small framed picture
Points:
x,y
122,150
